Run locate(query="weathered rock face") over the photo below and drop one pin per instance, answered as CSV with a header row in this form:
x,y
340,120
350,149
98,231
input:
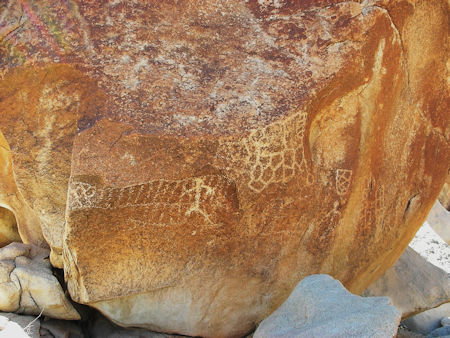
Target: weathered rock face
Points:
x,y
27,284
444,195
439,221
8,227
320,306
413,284
202,157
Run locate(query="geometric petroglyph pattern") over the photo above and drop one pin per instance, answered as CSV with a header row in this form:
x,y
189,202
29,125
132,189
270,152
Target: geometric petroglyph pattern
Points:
x,y
166,202
343,180
273,154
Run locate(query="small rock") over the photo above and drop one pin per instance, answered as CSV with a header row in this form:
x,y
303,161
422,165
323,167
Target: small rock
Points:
x,y
445,321
320,306
428,321
27,284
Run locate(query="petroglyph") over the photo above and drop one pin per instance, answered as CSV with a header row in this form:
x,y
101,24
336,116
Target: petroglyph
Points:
x,y
373,204
343,181
82,196
274,154
161,202
379,200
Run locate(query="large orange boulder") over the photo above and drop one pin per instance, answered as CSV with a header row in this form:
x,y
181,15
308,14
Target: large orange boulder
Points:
x,y
188,162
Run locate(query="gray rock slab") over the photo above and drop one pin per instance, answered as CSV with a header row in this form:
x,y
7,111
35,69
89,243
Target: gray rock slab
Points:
x,y
320,306
413,284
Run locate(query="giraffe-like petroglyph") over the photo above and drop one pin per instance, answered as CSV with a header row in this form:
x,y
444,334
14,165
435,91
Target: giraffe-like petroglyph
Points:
x,y
162,202
273,154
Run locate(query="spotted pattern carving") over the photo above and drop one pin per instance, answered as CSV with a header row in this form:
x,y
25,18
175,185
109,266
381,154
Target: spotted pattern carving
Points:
x,y
273,154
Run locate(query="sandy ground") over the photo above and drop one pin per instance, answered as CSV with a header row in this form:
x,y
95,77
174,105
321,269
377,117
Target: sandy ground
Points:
x,y
429,245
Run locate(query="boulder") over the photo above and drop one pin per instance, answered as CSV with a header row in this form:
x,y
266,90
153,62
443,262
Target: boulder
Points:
x,y
18,326
189,162
414,284
439,221
8,228
428,321
320,306
27,284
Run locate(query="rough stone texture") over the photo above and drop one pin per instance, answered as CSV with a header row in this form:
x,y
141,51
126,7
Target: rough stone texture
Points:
x,y
201,144
28,286
440,332
413,284
321,307
404,332
10,197
100,327
8,228
18,326
419,280
444,195
54,328
428,321
439,220
445,321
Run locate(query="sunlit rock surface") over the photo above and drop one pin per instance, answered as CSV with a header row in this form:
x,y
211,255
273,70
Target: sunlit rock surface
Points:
x,y
202,157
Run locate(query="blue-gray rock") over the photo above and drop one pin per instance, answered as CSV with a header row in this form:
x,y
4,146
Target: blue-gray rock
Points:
x,y
440,332
320,306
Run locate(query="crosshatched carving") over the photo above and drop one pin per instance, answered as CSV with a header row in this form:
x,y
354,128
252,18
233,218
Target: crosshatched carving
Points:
x,y
343,181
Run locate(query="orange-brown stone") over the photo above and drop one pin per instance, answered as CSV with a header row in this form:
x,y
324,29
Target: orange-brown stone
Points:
x,y
189,162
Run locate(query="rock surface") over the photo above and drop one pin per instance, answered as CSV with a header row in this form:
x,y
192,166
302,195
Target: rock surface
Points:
x,y
18,326
100,327
440,332
321,307
428,321
25,218
203,157
28,286
444,195
439,221
54,328
415,284
8,228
